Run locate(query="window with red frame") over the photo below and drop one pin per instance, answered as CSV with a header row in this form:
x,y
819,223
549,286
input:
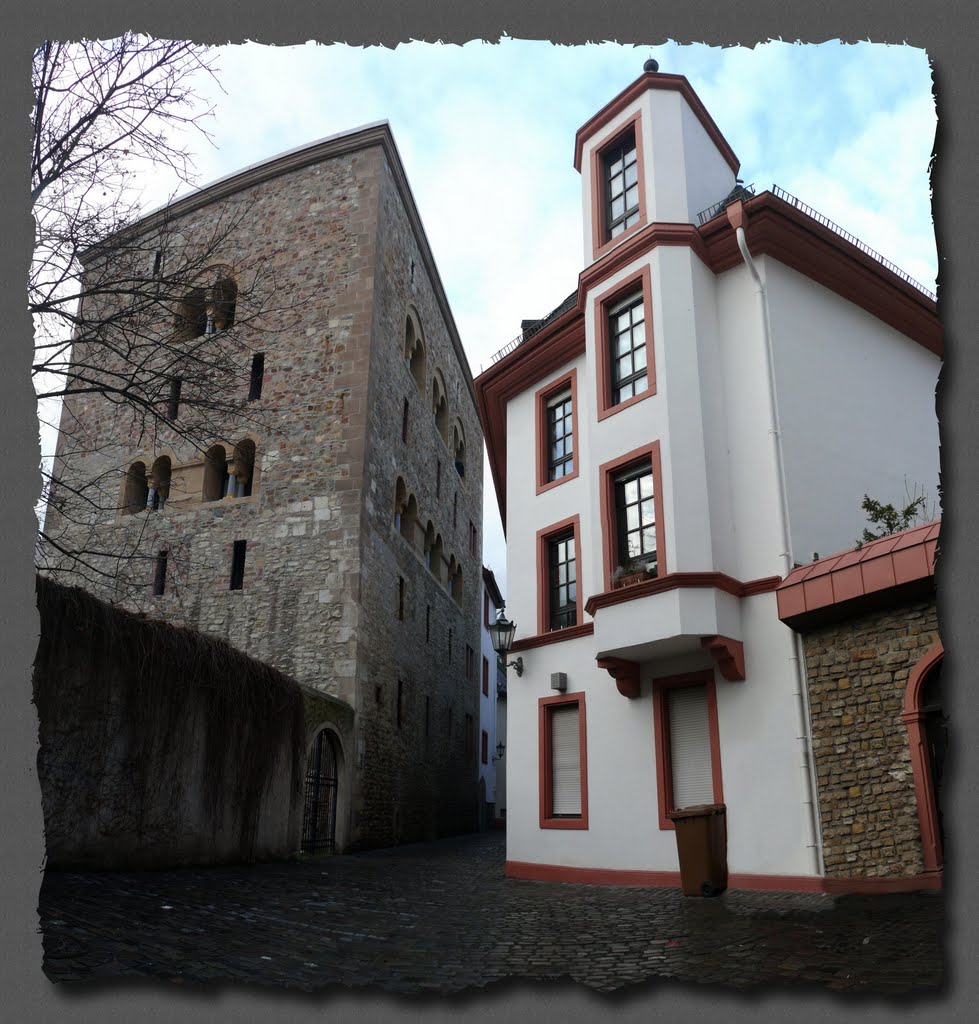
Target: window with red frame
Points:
x,y
635,517
485,676
484,747
620,172
560,436
563,795
627,348
562,581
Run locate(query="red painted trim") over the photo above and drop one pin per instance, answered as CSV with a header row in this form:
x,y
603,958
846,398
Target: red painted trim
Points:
x,y
661,729
555,637
606,487
600,241
742,881
776,228
654,80
921,765
905,557
625,673
643,279
590,876
543,589
729,655
544,706
564,382
681,581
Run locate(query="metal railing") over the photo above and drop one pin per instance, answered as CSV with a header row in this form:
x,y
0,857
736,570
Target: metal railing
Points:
x,y
535,327
741,192
852,239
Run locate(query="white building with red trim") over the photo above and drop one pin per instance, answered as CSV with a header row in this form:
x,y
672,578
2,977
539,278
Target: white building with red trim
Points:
x,y
709,407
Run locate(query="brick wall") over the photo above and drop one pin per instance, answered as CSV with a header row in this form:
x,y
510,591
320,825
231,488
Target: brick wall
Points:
x,y
857,672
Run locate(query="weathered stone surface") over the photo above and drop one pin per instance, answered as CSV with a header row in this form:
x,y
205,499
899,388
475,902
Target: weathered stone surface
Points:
x,y
323,559
863,765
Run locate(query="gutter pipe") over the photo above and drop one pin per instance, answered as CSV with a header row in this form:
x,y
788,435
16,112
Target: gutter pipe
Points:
x,y
735,214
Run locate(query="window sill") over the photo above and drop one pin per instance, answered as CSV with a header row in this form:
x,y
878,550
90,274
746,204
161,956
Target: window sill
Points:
x,y
581,824
555,636
611,410
551,484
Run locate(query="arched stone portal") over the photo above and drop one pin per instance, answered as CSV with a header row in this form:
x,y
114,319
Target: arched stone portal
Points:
x,y
926,723
321,792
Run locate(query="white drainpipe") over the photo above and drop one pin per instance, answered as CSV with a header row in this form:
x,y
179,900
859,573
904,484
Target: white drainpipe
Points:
x,y
736,215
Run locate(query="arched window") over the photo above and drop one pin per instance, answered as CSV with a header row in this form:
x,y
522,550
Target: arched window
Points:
x,y
242,469
455,581
192,315
440,407
159,484
409,519
135,490
436,559
400,500
415,352
429,545
459,448
221,307
215,473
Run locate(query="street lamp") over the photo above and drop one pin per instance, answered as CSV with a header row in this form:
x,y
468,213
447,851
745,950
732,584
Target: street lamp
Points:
x,y
500,747
501,636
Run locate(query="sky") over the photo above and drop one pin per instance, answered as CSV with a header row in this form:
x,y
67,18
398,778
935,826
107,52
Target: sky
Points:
x,y
486,135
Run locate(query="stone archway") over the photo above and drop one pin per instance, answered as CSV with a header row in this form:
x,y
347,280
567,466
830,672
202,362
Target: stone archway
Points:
x,y
321,795
925,720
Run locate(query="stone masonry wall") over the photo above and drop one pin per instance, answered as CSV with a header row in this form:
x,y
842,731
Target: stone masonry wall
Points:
x,y
419,775
857,672
323,561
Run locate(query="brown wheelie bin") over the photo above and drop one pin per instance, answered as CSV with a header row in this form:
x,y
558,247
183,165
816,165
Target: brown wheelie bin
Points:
x,y
701,845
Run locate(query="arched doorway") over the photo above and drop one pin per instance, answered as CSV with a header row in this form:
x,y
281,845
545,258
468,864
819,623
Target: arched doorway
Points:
x,y
320,808
926,721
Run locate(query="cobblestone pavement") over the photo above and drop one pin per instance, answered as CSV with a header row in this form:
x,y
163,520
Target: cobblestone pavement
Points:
x,y
440,917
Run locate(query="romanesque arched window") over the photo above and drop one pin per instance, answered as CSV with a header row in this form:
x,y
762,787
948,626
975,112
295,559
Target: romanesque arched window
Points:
x,y
400,502
221,306
455,581
215,473
440,407
192,314
459,448
135,489
415,351
159,484
241,472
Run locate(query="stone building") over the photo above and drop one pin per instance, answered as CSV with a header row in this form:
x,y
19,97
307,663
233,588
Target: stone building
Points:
x,y
333,528
873,656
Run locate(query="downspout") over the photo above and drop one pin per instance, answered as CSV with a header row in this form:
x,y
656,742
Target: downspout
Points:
x,y
735,214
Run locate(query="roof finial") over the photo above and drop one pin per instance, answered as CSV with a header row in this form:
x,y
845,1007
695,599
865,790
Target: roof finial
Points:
x,y
651,66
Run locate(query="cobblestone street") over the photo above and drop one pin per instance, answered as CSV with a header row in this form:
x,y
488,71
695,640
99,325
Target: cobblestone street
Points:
x,y
440,917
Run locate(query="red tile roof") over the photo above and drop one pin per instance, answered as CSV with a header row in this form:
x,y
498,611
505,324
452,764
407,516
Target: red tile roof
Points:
x,y
904,557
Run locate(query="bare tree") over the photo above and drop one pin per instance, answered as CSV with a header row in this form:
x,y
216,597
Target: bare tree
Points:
x,y
143,327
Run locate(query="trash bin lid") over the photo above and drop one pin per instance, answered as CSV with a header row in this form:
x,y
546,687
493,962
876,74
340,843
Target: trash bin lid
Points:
x,y
698,811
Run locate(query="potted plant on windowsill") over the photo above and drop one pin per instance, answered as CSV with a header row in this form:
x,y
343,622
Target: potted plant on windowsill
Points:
x,y
634,570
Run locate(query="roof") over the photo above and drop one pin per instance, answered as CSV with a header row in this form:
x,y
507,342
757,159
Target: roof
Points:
x,y
489,579
377,133
901,559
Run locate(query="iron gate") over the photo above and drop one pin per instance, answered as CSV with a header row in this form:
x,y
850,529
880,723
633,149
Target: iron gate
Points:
x,y
320,811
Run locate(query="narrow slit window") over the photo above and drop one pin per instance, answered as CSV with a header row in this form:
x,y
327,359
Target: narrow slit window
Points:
x,y
405,412
173,405
401,597
400,707
160,576
257,376
238,565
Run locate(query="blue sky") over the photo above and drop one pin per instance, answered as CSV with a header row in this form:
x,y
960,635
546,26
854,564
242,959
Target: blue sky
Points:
x,y
486,133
